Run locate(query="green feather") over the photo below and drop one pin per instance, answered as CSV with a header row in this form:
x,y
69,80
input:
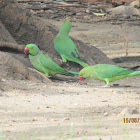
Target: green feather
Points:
x,y
107,73
44,63
65,46
136,42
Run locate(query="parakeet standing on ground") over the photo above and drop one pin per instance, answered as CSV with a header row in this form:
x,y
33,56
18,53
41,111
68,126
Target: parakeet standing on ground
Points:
x,y
107,73
44,63
65,46
136,42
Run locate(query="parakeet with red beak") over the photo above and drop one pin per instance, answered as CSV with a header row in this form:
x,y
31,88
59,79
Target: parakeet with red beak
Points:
x,y
65,46
107,73
44,63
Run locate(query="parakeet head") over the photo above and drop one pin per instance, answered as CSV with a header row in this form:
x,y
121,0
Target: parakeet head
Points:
x,y
67,23
84,73
65,28
32,49
81,74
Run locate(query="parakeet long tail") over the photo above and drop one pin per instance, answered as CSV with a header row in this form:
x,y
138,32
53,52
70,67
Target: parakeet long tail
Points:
x,y
136,42
135,73
70,73
75,73
83,64
78,60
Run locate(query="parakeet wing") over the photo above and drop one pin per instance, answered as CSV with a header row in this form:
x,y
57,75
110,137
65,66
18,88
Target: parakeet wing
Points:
x,y
67,47
48,63
108,71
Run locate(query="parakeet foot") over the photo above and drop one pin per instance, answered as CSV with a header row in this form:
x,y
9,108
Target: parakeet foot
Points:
x,y
107,83
48,76
63,58
106,86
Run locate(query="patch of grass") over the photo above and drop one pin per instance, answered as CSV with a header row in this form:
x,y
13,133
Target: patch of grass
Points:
x,y
1,135
71,131
125,134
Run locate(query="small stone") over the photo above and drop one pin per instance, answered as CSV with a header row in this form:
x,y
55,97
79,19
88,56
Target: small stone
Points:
x,y
33,120
3,80
39,11
67,119
104,101
88,11
61,92
50,11
105,114
86,17
79,14
48,107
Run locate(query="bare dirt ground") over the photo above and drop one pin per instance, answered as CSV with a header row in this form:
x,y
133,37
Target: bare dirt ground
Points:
x,y
77,110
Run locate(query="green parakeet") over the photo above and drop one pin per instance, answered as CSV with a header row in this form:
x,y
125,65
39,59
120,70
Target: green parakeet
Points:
x,y
65,46
44,63
107,73
136,42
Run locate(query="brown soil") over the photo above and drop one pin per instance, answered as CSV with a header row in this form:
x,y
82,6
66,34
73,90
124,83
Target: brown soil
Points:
x,y
51,111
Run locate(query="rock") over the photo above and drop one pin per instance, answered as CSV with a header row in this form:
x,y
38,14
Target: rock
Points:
x,y
135,3
125,11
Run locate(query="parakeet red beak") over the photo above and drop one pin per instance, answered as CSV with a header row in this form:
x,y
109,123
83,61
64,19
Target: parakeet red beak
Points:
x,y
81,78
26,50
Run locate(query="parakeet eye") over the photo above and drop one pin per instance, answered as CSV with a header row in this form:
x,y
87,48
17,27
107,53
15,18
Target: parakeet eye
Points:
x,y
32,48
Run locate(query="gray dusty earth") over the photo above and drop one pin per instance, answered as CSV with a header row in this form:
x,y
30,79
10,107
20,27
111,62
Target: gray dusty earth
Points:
x,y
82,110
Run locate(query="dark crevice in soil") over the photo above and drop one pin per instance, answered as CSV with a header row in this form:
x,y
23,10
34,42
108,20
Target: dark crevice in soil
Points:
x,y
127,59
10,50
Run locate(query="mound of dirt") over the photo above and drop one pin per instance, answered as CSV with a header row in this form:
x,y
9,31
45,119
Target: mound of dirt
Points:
x,y
5,35
25,28
13,68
